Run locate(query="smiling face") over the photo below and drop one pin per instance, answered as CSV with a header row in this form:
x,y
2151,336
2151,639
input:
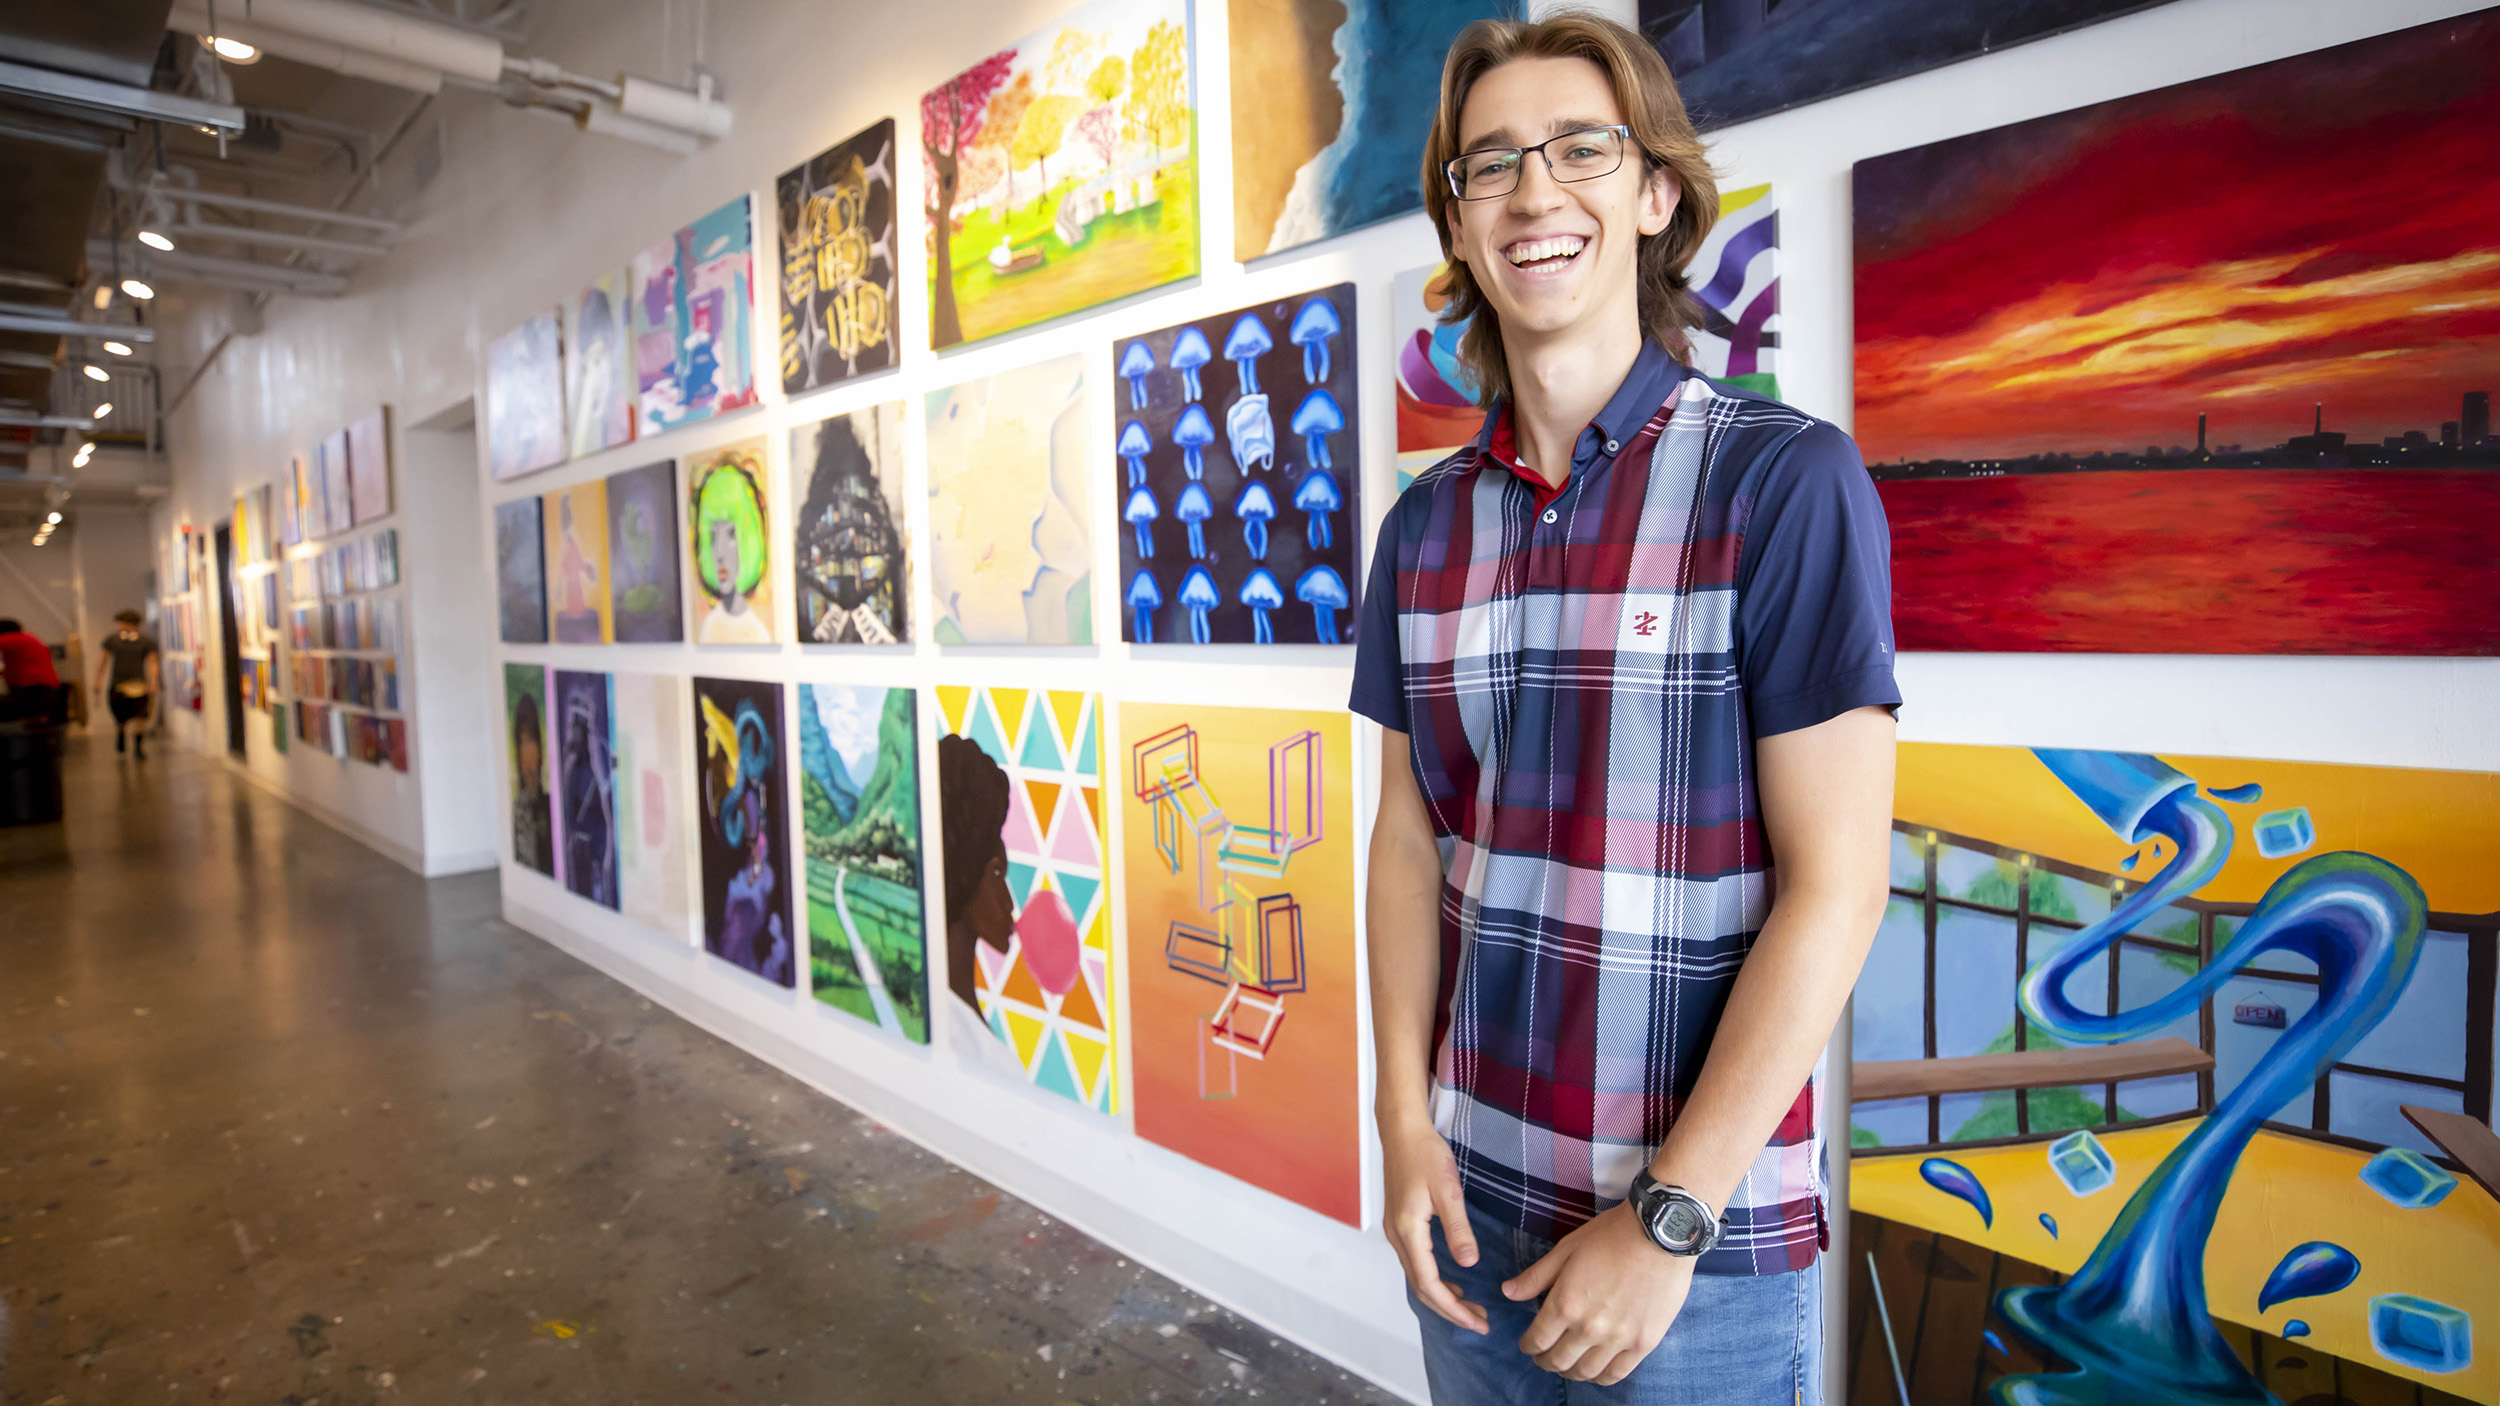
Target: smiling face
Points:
x,y
1554,258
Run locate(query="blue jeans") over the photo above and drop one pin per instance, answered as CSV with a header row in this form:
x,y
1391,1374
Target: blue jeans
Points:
x,y
1753,1340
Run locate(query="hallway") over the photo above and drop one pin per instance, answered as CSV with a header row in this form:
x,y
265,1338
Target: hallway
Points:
x,y
281,1122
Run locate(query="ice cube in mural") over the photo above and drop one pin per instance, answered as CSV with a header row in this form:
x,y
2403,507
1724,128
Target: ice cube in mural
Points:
x,y
1062,171
2407,1178
859,807
2421,1333
2014,933
1029,972
2285,832
2082,1163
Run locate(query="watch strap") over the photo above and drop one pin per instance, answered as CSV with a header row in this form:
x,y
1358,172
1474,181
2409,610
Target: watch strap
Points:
x,y
1648,1198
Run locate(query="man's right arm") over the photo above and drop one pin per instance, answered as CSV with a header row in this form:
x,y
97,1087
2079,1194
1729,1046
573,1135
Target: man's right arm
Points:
x,y
1404,909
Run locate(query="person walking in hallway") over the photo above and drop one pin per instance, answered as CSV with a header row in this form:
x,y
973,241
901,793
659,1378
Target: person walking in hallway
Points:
x,y
127,677
1631,651
34,685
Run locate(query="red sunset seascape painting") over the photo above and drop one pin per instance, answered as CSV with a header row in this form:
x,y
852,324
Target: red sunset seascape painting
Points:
x,y
2207,370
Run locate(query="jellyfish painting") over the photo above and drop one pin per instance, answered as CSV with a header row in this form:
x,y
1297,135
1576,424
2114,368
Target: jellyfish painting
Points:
x,y
1144,599
1262,593
1189,352
1140,512
1256,507
1193,434
1323,590
1251,432
1315,419
2133,1320
1318,496
1312,327
1194,508
1199,595
1137,361
1135,445
1243,347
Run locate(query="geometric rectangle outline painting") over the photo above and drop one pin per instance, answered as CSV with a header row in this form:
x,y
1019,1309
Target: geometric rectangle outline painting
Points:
x,y
2286,971
1030,964
1238,875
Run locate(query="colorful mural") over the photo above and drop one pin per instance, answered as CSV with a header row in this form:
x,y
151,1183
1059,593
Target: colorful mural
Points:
x,y
1242,513
693,321
1062,172
2175,427
599,366
1029,958
2181,1053
1238,875
853,570
744,847
838,305
576,523
859,807
729,545
1011,544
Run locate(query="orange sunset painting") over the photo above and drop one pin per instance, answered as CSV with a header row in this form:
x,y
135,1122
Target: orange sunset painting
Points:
x,y
2206,370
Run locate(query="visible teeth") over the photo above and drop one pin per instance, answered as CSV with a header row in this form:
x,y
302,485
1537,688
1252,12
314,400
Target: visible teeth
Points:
x,y
1535,249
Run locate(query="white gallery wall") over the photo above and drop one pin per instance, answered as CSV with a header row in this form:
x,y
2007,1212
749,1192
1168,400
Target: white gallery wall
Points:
x,y
525,212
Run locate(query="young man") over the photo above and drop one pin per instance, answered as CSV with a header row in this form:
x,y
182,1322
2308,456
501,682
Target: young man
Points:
x,y
128,671
1632,651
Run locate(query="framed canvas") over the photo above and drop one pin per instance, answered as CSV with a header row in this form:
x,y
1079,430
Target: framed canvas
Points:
x,y
850,558
694,321
729,545
1011,545
743,842
839,309
644,592
525,398
599,387
859,807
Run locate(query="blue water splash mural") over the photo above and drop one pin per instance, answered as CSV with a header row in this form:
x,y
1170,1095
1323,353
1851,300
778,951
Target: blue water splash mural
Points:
x,y
1956,1180
2249,794
1995,1343
2134,1320
2049,1223
2312,1269
2296,1328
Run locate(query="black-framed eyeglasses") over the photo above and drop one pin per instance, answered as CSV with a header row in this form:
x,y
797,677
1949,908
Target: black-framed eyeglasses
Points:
x,y
1584,155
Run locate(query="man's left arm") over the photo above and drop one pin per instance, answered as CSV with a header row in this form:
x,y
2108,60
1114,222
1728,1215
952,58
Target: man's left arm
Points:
x,y
1826,796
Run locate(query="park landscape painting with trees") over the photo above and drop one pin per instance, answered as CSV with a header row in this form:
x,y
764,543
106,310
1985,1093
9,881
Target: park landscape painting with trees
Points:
x,y
1062,171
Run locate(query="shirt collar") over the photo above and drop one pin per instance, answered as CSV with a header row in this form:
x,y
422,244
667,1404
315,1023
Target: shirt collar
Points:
x,y
1645,387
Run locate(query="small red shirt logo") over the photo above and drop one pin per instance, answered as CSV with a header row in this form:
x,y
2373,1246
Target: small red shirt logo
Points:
x,y
1645,623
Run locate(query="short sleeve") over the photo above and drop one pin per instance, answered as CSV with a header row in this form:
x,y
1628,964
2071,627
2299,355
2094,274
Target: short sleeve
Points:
x,y
1379,669
1814,588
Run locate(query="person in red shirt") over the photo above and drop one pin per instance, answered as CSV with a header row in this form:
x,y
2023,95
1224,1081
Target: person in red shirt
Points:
x,y
34,685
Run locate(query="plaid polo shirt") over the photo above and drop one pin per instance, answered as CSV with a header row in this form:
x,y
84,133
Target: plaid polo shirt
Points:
x,y
1582,683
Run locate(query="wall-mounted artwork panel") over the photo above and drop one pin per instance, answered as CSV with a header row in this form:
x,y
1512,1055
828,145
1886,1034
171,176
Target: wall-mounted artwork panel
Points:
x,y
599,385
654,810
644,590
743,809
576,521
525,767
520,572
525,398
1011,545
859,807
693,321
838,293
850,559
729,545
585,747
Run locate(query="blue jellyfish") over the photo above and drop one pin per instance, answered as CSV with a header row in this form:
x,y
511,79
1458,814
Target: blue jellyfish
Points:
x,y
1252,433
1312,327
1193,434
1189,352
1194,508
1262,593
1136,360
1315,420
1255,507
1323,590
1135,445
1140,512
1319,497
1242,348
1198,593
1144,598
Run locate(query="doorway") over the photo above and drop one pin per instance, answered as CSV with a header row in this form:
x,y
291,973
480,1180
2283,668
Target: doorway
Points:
x,y
229,647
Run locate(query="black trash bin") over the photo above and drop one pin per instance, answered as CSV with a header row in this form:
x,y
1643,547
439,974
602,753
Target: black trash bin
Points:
x,y
30,774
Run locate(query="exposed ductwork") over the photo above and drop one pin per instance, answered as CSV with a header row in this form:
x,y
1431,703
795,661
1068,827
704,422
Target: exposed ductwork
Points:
x,y
421,55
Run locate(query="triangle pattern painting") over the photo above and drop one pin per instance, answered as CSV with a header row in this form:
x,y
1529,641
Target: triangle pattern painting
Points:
x,y
1052,840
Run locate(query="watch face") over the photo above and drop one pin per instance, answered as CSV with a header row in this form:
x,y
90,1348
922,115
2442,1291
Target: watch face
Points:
x,y
1682,1223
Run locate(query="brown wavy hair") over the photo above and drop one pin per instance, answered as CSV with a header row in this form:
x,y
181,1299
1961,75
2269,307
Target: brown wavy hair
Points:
x,y
1660,127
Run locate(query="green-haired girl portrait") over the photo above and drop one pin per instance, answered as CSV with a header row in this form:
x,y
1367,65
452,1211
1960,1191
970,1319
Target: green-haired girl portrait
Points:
x,y
730,546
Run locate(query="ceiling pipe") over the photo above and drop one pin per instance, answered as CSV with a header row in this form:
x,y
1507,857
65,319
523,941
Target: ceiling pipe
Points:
x,y
51,85
662,105
275,239
191,195
205,267
16,420
304,49
17,317
416,42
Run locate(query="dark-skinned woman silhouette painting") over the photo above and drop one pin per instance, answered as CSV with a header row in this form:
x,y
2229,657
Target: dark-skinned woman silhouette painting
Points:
x,y
973,801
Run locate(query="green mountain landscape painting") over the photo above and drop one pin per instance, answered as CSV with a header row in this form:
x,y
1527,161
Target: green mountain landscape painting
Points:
x,y
859,799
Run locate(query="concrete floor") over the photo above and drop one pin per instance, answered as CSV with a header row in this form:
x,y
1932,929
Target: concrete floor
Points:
x,y
282,1123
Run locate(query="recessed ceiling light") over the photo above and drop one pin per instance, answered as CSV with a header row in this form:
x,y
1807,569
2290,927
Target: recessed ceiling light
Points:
x,y
118,348
103,297
231,50
101,411
56,517
137,289
154,240
98,373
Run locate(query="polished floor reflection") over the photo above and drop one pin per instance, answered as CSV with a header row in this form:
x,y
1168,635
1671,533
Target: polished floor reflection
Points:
x,y
282,1123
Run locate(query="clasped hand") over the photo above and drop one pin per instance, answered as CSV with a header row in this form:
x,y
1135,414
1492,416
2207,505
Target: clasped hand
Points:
x,y
1610,1294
